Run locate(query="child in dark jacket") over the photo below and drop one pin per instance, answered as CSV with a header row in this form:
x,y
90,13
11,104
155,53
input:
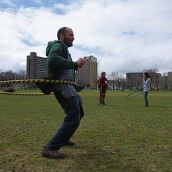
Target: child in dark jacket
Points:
x,y
102,85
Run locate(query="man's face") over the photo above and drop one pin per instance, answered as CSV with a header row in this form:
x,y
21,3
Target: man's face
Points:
x,y
68,37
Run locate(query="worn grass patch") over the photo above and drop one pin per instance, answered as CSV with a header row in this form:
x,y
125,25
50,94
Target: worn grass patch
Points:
x,y
121,136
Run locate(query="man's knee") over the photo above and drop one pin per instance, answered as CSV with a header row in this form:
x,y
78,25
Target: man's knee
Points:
x,y
74,111
73,114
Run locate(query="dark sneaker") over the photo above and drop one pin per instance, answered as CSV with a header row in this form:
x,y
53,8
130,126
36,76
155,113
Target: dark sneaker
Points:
x,y
69,143
52,154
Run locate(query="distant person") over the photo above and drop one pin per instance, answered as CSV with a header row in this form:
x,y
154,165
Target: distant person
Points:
x,y
102,85
146,88
61,67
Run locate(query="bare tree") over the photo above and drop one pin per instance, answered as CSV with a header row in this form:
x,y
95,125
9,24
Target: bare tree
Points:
x,y
157,81
151,70
113,77
11,75
164,82
123,84
21,74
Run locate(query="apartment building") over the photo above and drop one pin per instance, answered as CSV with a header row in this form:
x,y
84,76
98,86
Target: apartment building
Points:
x,y
87,75
35,66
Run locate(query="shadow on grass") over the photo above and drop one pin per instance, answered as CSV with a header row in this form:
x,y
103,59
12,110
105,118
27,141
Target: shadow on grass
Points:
x,y
105,159
96,159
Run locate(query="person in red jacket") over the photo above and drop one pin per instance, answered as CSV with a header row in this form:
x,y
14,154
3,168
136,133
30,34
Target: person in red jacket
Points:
x,y
102,85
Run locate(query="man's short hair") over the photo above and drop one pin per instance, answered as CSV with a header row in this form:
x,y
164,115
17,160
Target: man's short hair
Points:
x,y
61,30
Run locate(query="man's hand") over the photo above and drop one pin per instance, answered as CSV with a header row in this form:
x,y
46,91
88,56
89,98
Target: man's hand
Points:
x,y
81,62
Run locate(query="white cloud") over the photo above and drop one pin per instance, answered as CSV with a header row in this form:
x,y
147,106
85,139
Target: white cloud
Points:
x,y
125,36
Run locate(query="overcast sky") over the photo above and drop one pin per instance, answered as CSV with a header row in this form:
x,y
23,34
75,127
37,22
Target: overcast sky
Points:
x,y
124,35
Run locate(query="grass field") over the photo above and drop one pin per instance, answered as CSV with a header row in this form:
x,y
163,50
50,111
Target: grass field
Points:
x,y
122,136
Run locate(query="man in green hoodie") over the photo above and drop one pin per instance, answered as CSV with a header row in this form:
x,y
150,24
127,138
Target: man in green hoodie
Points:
x,y
61,67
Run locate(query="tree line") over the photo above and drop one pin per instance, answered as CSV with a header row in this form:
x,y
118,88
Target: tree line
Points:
x,y
11,75
117,80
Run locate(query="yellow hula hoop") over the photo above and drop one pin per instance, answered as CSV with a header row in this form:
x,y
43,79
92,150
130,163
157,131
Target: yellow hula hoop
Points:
x,y
30,81
22,94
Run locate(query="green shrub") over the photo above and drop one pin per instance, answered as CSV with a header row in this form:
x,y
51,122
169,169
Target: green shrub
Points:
x,y
9,89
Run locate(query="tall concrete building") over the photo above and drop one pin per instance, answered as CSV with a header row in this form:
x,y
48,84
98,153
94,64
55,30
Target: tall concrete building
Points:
x,y
87,75
36,66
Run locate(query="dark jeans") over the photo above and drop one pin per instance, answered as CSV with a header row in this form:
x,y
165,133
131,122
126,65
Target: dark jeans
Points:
x,y
102,96
146,98
74,112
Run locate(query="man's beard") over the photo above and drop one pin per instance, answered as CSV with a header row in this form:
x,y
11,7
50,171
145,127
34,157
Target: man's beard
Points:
x,y
67,42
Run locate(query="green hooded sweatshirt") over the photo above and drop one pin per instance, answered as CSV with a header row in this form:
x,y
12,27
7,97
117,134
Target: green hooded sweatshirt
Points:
x,y
57,59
